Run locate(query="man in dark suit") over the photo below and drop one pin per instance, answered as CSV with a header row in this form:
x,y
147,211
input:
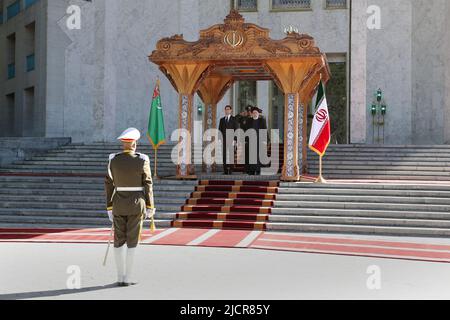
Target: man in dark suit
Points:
x,y
230,124
244,119
257,123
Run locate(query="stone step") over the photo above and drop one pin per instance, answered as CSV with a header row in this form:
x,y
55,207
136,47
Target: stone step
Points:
x,y
80,171
358,229
292,206
382,213
74,162
74,206
84,180
69,188
85,198
85,159
374,222
113,147
365,167
363,186
28,193
359,198
380,172
52,221
68,213
359,176
381,163
389,154
290,193
74,166
26,225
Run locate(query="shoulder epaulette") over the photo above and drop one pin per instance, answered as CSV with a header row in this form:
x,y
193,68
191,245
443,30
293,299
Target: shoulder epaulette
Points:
x,y
143,156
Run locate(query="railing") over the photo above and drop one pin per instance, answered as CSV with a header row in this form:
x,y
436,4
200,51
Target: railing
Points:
x,y
13,10
291,4
30,62
247,5
11,70
336,4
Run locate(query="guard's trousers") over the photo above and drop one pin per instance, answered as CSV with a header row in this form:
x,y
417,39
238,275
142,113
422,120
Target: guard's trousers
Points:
x,y
127,230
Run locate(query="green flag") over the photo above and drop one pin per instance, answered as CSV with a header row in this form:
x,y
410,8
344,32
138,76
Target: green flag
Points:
x,y
156,132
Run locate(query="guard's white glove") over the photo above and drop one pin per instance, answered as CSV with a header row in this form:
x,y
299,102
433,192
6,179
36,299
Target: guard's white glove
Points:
x,y
150,213
110,215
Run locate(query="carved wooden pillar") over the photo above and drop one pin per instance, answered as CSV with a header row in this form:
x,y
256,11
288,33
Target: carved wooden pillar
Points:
x,y
292,128
209,122
186,78
185,168
211,91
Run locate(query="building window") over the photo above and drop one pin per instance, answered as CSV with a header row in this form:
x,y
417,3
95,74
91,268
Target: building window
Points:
x,y
13,10
29,3
7,117
11,55
336,4
246,5
29,46
30,62
284,5
11,70
1,17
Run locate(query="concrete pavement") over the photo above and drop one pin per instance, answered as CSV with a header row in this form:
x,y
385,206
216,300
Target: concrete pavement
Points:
x,y
42,271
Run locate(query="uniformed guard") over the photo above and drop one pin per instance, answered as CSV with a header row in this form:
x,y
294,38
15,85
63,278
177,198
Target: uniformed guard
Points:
x,y
129,198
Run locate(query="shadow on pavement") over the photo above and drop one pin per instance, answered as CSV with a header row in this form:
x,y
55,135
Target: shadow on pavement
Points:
x,y
53,293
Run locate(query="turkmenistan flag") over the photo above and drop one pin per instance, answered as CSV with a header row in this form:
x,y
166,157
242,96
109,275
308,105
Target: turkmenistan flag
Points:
x,y
320,130
156,132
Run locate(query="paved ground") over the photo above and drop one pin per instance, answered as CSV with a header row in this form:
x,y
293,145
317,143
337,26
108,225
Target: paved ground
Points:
x,y
39,271
424,249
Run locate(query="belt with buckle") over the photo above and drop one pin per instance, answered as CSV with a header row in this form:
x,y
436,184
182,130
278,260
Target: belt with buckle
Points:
x,y
130,189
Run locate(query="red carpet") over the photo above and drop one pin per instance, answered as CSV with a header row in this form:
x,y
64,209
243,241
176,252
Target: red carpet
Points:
x,y
337,245
228,205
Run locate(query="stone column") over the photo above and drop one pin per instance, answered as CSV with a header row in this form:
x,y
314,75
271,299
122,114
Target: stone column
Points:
x,y
358,65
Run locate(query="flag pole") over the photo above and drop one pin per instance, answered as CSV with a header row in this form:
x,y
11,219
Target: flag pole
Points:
x,y
156,165
320,179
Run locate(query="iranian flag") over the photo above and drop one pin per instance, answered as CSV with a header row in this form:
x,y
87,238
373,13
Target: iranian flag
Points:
x,y
320,130
156,132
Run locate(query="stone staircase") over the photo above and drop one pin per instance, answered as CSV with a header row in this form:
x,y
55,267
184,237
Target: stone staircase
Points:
x,y
383,162
87,160
74,201
383,208
64,188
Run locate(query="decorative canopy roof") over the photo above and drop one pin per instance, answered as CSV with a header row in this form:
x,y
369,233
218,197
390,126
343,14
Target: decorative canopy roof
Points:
x,y
240,50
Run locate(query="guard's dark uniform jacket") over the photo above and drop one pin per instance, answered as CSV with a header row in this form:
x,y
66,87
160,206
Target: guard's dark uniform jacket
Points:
x,y
129,192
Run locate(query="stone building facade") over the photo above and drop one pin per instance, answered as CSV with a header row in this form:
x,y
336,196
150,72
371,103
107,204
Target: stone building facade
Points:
x,y
91,82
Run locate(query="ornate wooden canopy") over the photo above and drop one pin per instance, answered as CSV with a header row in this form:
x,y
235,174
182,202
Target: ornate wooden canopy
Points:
x,y
241,50
236,50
